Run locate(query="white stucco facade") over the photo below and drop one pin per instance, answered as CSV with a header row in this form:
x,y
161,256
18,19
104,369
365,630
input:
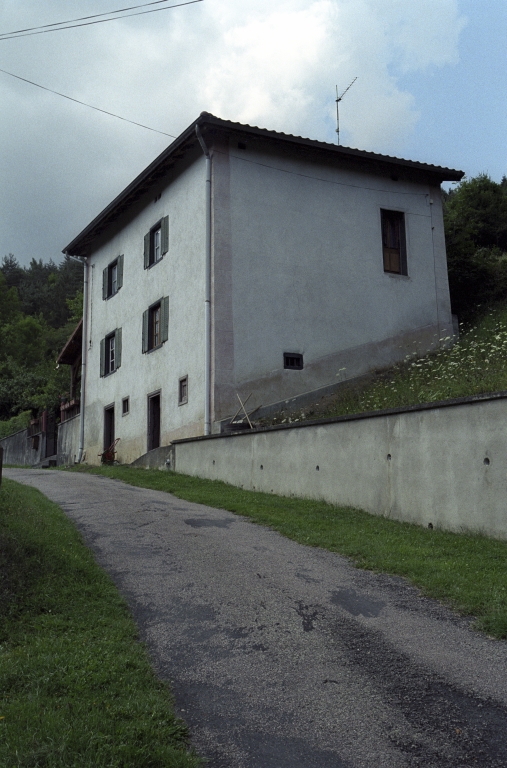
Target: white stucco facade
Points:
x,y
296,265
178,275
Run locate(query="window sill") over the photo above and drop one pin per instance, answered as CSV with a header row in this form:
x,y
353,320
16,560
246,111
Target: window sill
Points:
x,y
110,373
112,294
154,263
396,275
154,349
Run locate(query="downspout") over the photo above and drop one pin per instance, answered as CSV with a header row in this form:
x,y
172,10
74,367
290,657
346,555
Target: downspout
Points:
x,y
83,356
207,298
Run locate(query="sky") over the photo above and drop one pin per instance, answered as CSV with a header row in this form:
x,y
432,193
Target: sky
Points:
x,y
431,86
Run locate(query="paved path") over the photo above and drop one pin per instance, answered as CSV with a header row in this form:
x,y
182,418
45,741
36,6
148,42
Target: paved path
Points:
x,y
282,656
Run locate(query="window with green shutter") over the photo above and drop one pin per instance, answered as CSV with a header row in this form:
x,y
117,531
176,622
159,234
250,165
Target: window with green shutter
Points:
x,y
110,353
156,325
156,242
112,278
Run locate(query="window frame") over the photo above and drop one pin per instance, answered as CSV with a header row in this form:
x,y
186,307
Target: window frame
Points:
x,y
108,288
110,352
394,249
149,335
183,390
125,406
156,243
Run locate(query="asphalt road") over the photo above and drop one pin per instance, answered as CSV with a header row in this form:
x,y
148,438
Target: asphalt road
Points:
x,y
283,656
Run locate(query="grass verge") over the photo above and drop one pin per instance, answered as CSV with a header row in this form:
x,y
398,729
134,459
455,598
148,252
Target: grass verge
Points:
x,y
466,571
76,688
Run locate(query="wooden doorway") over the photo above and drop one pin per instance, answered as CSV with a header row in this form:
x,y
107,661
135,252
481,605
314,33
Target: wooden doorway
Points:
x,y
108,427
154,421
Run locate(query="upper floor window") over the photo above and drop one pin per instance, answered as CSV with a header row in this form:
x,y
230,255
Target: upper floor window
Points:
x,y
394,242
156,242
110,353
112,278
156,325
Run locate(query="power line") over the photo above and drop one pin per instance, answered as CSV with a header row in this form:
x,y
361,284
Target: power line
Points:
x,y
98,21
81,18
84,104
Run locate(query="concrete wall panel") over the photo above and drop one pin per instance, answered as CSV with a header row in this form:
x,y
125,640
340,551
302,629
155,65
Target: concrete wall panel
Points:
x,y
443,464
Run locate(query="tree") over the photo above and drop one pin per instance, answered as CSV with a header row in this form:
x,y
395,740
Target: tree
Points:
x,y
475,219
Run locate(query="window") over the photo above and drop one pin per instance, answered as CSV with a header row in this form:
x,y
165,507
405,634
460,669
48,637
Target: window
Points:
x,y
156,242
394,242
293,361
156,325
125,406
112,278
183,391
110,353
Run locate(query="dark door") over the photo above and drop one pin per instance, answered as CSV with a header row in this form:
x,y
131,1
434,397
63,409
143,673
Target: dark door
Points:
x,y
153,422
108,427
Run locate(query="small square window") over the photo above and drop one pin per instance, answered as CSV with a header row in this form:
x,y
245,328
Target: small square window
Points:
x,y
183,391
293,361
394,248
125,406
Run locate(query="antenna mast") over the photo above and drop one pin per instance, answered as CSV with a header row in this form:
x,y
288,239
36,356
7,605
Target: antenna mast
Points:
x,y
338,99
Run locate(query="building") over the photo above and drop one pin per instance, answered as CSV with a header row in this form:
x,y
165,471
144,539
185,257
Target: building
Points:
x,y
245,261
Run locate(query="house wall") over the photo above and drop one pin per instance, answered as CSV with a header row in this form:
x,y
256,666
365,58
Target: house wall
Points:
x,y
68,441
443,465
179,275
302,244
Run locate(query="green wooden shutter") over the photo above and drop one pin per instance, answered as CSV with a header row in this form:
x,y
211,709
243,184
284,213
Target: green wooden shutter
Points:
x,y
147,250
104,282
164,318
117,348
119,273
102,356
165,234
146,316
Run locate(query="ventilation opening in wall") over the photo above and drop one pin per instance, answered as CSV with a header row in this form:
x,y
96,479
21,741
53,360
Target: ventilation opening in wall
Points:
x,y
241,145
293,361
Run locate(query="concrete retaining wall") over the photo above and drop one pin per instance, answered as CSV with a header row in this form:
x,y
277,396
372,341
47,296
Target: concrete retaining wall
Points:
x,y
68,441
444,464
18,448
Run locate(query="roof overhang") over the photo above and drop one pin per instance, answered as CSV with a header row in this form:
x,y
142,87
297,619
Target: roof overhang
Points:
x,y
372,162
72,349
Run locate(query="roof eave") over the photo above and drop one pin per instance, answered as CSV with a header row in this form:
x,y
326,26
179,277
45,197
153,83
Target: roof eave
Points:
x,y
80,245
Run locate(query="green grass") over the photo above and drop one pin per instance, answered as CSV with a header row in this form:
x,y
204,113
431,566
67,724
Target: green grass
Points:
x,y
76,688
476,364
468,572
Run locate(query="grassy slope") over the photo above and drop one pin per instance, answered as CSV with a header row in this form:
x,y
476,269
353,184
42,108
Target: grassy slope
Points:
x,y
76,688
477,363
468,572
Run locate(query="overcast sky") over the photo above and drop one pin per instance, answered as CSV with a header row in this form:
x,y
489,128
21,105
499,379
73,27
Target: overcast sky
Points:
x,y
431,86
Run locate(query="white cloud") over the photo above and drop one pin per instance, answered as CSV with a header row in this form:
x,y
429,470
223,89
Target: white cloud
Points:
x,y
269,64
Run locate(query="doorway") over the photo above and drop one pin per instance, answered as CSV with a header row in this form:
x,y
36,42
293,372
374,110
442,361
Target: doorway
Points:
x,y
108,427
153,421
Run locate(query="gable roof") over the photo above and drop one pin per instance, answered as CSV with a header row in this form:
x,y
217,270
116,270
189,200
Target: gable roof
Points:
x,y
211,125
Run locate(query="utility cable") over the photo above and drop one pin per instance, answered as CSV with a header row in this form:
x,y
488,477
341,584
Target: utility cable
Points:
x,y
82,18
98,21
84,104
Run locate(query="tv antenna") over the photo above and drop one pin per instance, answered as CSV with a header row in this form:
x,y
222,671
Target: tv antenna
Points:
x,y
338,99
